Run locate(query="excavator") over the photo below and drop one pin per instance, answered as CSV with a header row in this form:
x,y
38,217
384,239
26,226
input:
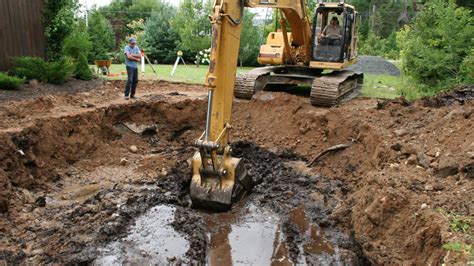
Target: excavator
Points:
x,y
307,54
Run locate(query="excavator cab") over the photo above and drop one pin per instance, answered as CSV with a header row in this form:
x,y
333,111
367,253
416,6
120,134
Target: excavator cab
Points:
x,y
333,33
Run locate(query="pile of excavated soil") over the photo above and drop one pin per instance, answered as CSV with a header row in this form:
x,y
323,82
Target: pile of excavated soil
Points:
x,y
72,182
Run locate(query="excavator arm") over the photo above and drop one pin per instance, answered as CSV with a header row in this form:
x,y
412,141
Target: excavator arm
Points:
x,y
218,178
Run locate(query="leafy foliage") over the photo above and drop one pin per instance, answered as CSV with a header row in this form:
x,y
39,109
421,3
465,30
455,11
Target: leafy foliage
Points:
x,y
434,48
56,72
161,39
250,41
77,43
192,24
30,68
82,70
101,34
9,83
59,23
378,46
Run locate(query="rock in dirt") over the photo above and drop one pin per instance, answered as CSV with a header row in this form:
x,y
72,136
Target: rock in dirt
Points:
x,y
470,154
469,170
412,160
87,105
400,132
447,166
411,148
133,149
123,161
396,147
41,201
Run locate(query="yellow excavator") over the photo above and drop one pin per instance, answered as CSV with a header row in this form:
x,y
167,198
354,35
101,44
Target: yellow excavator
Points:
x,y
292,58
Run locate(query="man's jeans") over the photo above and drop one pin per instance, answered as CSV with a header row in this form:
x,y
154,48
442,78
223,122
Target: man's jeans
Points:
x,y
132,81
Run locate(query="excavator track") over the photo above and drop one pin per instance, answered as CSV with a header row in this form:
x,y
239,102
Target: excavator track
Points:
x,y
335,88
245,86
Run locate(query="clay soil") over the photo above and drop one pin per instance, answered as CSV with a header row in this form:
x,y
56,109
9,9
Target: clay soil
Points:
x,y
71,182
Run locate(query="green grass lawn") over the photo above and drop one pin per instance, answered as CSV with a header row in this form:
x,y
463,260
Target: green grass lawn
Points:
x,y
187,74
381,86
375,86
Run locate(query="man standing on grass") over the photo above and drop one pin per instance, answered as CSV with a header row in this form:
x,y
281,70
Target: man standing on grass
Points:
x,y
132,56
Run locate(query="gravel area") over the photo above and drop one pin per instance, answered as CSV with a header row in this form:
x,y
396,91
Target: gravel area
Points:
x,y
374,65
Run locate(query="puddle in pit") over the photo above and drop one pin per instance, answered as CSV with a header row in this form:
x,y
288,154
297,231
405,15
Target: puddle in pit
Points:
x,y
254,236
150,241
247,235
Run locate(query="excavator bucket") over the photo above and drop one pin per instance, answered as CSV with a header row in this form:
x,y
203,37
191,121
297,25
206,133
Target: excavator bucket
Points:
x,y
217,191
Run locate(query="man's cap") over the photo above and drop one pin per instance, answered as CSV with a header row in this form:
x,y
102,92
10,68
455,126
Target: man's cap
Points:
x,y
132,40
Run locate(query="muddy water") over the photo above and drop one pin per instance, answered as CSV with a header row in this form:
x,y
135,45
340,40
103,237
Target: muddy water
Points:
x,y
150,241
247,235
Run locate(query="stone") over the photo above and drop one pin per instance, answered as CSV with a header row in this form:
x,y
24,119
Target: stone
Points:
x,y
41,201
411,148
469,170
123,161
396,147
424,206
34,82
447,166
412,160
423,160
87,105
400,132
288,194
470,154
438,186
133,149
163,171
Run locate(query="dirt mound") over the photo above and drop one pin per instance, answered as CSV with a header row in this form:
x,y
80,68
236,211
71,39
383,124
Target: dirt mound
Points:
x,y
459,95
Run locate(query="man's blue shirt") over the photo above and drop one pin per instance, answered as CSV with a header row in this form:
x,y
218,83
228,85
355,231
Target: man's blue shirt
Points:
x,y
134,50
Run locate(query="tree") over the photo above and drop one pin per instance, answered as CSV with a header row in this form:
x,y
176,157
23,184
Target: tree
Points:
x,y
192,24
78,42
250,41
434,47
160,38
59,23
101,34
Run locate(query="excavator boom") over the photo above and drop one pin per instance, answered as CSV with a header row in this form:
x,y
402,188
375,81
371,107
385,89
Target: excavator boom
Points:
x,y
218,178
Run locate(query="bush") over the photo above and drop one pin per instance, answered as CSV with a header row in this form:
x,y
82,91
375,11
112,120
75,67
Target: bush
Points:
x,y
9,83
59,71
30,68
467,68
82,69
435,47
378,46
56,72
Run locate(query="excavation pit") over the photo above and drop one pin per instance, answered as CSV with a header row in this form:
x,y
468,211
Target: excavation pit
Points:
x,y
75,191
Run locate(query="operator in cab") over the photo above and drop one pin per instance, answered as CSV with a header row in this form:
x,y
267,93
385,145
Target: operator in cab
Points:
x,y
332,33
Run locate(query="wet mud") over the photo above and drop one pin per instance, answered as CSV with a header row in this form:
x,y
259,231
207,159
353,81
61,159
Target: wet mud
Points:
x,y
275,225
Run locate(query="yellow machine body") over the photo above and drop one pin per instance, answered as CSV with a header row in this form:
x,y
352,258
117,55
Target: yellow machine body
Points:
x,y
218,178
273,52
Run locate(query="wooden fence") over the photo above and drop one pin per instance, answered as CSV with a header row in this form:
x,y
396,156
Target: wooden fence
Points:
x,y
21,30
